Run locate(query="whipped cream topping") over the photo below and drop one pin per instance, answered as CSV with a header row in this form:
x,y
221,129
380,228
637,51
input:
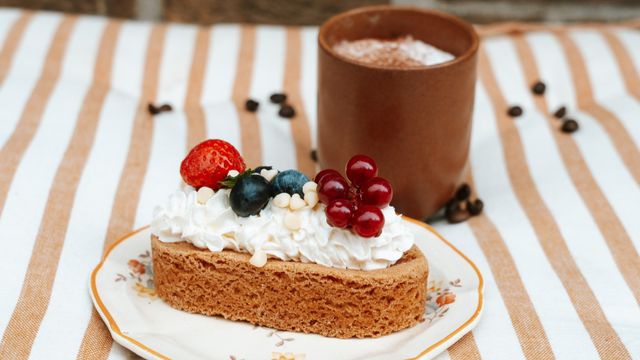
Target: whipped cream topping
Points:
x,y
403,52
214,226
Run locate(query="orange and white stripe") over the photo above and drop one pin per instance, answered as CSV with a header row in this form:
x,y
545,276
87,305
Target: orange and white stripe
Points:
x,y
268,75
12,25
568,210
220,75
30,158
250,139
169,142
309,81
82,163
492,180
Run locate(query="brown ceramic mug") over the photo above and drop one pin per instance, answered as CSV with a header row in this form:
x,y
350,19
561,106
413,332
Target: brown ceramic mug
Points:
x,y
415,122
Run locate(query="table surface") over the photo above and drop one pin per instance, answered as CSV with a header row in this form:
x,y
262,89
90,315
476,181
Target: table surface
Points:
x,y
83,163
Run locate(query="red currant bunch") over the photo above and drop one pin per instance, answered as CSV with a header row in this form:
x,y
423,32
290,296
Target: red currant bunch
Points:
x,y
355,203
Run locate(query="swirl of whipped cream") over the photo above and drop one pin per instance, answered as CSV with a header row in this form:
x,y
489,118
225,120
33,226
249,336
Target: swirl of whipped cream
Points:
x,y
182,218
215,226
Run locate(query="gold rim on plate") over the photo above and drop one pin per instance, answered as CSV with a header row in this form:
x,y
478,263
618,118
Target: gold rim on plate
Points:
x,y
114,328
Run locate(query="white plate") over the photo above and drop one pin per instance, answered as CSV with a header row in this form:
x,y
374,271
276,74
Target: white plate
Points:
x,y
121,287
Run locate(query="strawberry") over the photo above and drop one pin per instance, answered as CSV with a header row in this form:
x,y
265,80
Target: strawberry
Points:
x,y
209,162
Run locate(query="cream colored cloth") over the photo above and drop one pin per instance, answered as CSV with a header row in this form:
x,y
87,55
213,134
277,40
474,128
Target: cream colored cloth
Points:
x,y
83,163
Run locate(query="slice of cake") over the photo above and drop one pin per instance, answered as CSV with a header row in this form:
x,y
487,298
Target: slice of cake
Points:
x,y
328,256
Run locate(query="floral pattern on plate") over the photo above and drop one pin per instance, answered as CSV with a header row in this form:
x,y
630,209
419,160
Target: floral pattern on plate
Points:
x,y
123,292
141,273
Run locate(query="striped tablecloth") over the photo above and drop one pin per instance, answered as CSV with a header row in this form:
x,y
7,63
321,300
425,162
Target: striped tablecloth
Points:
x,y
82,163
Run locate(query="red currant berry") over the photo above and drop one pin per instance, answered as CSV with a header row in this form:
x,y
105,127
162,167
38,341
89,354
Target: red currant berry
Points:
x,y
332,187
377,191
368,221
325,173
361,168
339,213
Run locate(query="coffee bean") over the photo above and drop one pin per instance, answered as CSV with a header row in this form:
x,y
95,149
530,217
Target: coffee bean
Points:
x,y
458,216
569,126
463,192
514,111
251,105
538,88
561,112
278,98
287,111
165,107
155,110
452,203
475,207
152,109
314,155
451,206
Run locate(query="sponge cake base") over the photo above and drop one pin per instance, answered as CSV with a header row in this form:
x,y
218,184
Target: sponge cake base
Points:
x,y
290,295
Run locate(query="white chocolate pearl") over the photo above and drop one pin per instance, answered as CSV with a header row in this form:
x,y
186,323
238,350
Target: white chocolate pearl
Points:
x,y
233,173
282,200
292,221
259,258
204,194
309,186
296,202
268,174
311,198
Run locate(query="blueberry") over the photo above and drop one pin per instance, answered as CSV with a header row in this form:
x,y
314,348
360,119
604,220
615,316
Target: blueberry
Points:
x,y
250,195
289,181
260,168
